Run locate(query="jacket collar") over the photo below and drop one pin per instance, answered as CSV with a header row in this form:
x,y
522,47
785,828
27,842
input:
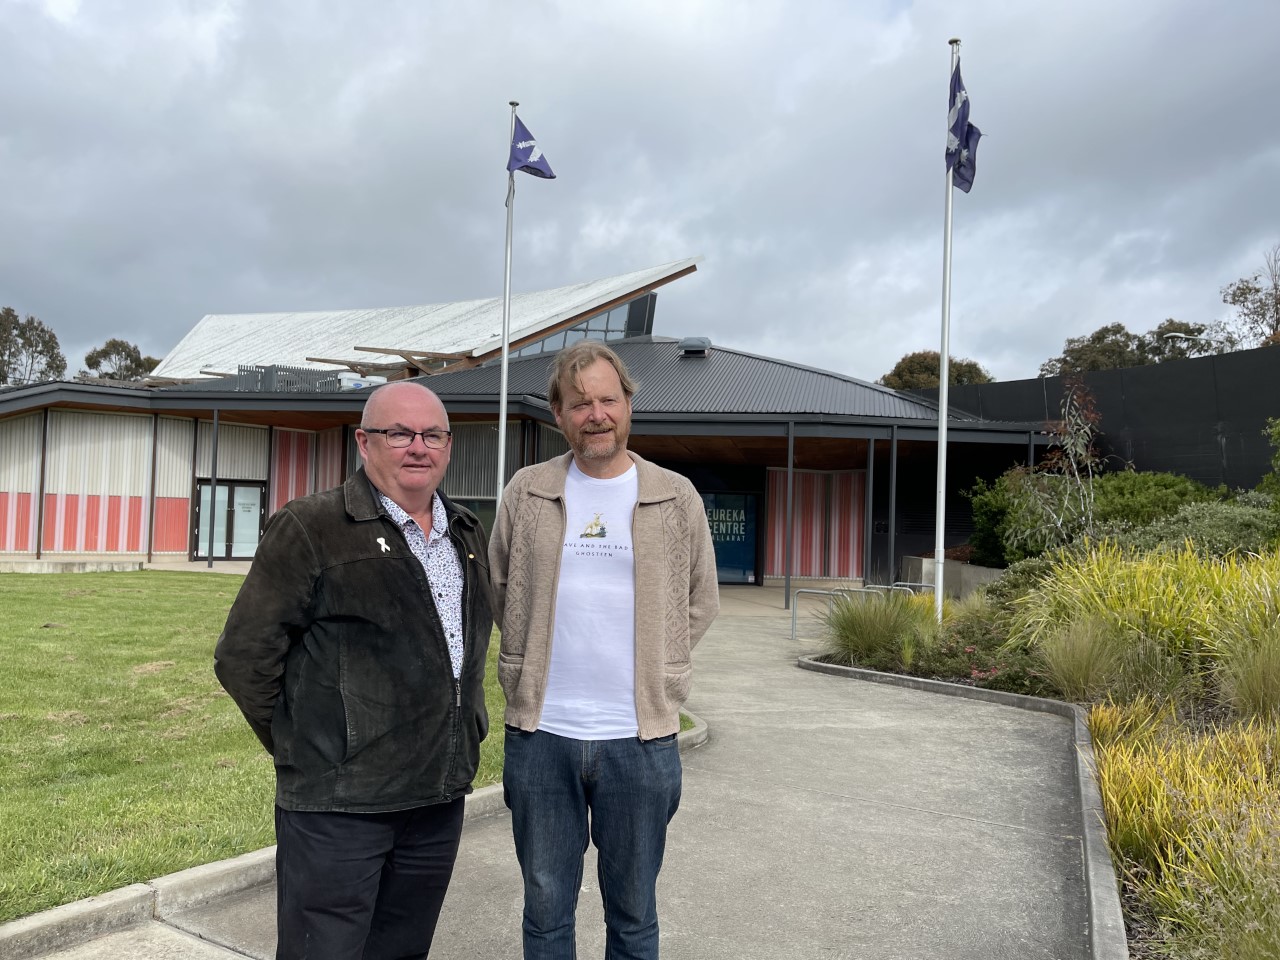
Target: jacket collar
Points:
x,y
549,479
362,502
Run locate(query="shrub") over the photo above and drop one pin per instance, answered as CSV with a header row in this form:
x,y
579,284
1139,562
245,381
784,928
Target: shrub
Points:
x,y
1215,530
1014,517
990,510
967,648
1135,498
1018,580
1255,498
1011,523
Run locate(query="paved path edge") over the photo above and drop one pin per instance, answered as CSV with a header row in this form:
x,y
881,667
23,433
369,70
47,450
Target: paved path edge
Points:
x,y
61,927
1107,938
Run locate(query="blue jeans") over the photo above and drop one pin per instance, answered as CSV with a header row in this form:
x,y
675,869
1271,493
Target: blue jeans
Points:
x,y
618,794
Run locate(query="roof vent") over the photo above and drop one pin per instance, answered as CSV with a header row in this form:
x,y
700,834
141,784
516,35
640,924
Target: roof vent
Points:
x,y
695,346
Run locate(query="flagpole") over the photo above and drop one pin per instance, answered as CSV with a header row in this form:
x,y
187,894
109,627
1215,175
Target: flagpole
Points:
x,y
944,376
506,323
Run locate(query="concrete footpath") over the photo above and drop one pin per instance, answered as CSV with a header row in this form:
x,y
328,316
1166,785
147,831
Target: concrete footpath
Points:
x,y
822,817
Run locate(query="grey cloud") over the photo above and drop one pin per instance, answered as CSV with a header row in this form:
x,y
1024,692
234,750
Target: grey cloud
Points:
x,y
180,159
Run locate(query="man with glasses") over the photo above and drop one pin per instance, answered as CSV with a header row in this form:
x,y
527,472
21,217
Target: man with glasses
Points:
x,y
356,650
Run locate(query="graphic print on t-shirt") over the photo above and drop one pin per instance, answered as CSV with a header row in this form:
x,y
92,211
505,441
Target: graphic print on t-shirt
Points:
x,y
595,528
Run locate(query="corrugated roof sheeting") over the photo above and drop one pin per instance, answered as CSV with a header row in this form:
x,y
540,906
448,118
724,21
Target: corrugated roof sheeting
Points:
x,y
221,342
724,381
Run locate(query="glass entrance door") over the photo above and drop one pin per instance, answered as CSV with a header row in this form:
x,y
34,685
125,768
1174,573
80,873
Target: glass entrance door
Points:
x,y
234,511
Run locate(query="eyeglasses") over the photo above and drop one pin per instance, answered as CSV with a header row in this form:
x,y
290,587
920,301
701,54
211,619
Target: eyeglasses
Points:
x,y
432,439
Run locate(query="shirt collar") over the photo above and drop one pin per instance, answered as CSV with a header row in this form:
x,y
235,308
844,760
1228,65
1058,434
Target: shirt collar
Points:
x,y
439,517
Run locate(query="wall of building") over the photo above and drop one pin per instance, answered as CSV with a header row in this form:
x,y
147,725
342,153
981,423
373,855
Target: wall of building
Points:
x,y
1202,418
20,442
97,483
331,458
293,467
175,444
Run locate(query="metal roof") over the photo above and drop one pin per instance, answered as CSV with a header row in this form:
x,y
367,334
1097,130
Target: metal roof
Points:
x,y
222,342
724,381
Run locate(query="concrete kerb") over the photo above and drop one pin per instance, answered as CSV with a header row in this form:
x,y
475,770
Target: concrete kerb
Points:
x,y
75,923
1107,939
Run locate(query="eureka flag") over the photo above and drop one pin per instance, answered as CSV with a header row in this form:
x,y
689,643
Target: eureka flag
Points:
x,y
526,155
962,136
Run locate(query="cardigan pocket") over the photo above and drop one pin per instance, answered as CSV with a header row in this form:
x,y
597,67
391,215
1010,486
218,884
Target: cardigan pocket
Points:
x,y
510,667
676,682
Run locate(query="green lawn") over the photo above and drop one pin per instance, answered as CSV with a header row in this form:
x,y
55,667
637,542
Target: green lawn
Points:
x,y
121,758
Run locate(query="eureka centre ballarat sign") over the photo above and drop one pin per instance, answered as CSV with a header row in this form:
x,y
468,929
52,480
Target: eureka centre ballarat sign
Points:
x,y
732,518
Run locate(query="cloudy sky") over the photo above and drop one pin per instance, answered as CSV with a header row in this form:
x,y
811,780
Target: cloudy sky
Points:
x,y
164,159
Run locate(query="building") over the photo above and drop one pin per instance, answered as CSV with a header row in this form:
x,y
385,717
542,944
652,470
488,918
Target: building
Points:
x,y
804,472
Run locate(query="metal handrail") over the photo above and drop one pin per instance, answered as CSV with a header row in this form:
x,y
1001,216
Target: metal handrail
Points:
x,y
912,585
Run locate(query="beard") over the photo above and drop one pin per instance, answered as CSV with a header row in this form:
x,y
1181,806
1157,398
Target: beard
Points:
x,y
602,445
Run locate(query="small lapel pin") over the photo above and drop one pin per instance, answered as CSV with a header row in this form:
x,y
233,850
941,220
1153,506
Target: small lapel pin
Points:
x,y
382,542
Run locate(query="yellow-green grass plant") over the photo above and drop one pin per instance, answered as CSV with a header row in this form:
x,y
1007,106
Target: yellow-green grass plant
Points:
x,y
1174,611
121,758
1193,820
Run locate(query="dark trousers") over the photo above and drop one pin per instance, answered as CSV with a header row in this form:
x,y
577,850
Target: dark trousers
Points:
x,y
363,886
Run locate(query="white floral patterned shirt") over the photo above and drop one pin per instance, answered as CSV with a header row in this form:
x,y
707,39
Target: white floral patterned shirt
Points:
x,y
440,562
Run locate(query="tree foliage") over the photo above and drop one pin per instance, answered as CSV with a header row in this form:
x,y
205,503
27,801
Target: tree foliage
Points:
x,y
29,350
1270,483
1028,511
922,370
118,360
1114,347
1256,300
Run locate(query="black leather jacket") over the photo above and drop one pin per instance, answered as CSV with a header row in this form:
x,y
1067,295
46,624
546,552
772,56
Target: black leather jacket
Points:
x,y
334,652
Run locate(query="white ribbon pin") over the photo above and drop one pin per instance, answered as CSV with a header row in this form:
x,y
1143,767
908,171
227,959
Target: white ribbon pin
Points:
x,y
382,542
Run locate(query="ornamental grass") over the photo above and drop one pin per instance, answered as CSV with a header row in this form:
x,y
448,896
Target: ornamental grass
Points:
x,y
879,631
1193,819
1113,623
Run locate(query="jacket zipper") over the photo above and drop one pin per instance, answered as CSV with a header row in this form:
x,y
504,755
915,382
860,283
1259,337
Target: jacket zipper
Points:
x,y
461,549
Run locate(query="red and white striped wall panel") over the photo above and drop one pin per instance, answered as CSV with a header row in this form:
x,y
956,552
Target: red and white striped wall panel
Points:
x,y
331,458
97,483
94,523
20,443
292,467
175,442
826,533
845,524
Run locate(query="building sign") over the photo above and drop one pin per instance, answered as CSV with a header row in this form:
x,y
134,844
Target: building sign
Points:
x,y
732,518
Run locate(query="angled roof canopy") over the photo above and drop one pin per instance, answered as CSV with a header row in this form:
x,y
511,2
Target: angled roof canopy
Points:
x,y
463,333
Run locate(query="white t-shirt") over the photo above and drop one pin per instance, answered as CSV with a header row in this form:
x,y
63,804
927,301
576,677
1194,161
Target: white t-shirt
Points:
x,y
591,689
